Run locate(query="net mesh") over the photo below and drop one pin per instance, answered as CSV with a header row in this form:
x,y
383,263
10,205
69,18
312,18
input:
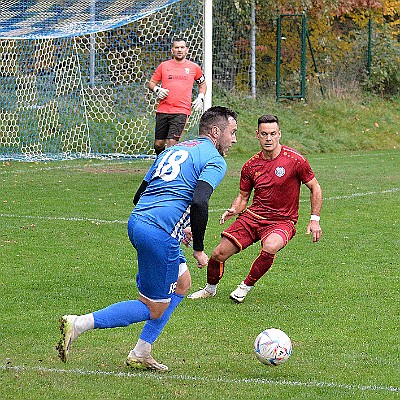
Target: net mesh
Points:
x,y
73,75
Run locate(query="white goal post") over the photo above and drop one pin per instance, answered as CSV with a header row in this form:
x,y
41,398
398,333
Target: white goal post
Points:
x,y
73,74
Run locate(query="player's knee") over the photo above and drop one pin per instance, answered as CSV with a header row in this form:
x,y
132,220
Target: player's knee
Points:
x,y
216,255
172,142
158,149
158,310
273,243
221,253
159,146
272,248
184,283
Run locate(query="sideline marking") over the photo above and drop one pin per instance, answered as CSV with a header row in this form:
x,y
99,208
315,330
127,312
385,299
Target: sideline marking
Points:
x,y
134,162
353,195
103,221
92,220
260,381
107,163
71,167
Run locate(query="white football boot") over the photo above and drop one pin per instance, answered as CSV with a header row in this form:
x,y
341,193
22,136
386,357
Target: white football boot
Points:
x,y
68,335
239,294
207,291
144,362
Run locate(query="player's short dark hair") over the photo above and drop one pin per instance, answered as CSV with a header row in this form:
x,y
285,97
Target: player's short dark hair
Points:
x,y
268,119
178,39
215,116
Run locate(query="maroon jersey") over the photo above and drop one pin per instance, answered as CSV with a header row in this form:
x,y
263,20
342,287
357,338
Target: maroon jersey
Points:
x,y
276,184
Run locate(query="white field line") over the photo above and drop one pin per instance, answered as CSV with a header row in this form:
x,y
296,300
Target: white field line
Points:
x,y
312,384
72,167
102,221
73,219
169,377
36,167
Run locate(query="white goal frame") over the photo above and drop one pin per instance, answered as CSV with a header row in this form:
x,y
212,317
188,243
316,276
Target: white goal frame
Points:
x,y
77,88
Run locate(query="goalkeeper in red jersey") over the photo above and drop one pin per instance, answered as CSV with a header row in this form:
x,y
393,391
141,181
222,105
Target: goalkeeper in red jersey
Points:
x,y
275,174
173,82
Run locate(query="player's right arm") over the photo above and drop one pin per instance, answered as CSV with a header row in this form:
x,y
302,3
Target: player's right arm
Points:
x,y
139,192
161,92
239,204
145,183
152,83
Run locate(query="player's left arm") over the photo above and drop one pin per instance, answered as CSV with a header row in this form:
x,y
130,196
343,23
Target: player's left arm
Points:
x,y
199,219
314,226
198,103
202,87
200,79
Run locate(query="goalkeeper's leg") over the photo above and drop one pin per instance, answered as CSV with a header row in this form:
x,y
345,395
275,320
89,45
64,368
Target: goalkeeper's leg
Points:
x,y
161,132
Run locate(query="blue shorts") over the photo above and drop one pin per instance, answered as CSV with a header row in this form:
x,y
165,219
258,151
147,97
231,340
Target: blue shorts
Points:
x,y
159,256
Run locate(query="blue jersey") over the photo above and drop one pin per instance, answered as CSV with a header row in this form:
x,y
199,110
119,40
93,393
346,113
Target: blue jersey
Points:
x,y
171,182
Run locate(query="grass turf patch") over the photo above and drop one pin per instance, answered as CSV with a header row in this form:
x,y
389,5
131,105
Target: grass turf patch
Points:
x,y
65,249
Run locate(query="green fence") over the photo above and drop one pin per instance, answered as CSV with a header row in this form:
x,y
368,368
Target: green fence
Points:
x,y
298,56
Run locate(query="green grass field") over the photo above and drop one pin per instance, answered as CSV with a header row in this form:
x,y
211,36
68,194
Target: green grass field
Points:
x,y
64,249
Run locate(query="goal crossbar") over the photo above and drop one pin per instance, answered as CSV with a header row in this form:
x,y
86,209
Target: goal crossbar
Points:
x,y
73,75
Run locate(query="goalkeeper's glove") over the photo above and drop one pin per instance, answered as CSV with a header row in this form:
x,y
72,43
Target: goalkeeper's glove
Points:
x,y
198,104
160,92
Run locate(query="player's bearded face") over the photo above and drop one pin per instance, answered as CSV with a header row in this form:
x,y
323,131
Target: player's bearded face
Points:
x,y
226,138
179,50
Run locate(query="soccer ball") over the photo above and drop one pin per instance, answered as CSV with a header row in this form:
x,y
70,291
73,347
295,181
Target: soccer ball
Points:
x,y
272,347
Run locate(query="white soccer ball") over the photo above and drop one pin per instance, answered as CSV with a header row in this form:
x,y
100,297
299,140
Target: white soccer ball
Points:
x,y
273,347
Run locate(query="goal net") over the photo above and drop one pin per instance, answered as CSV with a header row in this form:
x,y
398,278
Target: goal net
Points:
x,y
73,74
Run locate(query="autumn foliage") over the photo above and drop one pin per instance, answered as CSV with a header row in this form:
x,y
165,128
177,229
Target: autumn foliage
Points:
x,y
355,43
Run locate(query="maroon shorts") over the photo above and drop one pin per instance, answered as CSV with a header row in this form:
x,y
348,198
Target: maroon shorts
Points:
x,y
170,126
249,228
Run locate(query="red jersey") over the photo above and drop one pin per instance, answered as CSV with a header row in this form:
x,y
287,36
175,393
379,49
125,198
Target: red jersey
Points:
x,y
276,184
178,78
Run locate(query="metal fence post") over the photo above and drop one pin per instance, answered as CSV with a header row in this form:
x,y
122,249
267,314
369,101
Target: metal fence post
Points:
x,y
369,51
278,58
303,54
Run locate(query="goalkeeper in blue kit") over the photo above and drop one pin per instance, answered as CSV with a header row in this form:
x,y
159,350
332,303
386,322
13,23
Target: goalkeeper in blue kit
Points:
x,y
171,205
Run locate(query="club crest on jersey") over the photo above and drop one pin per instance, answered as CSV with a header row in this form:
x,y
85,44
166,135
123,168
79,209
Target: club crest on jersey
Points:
x,y
280,171
187,70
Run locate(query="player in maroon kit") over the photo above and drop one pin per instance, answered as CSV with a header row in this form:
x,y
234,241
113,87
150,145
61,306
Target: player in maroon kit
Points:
x,y
177,77
275,174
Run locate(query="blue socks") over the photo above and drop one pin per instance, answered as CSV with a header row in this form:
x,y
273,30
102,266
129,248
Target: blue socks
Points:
x,y
123,313
153,327
128,312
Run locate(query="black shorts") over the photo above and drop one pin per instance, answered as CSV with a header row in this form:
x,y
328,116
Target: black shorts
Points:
x,y
170,126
